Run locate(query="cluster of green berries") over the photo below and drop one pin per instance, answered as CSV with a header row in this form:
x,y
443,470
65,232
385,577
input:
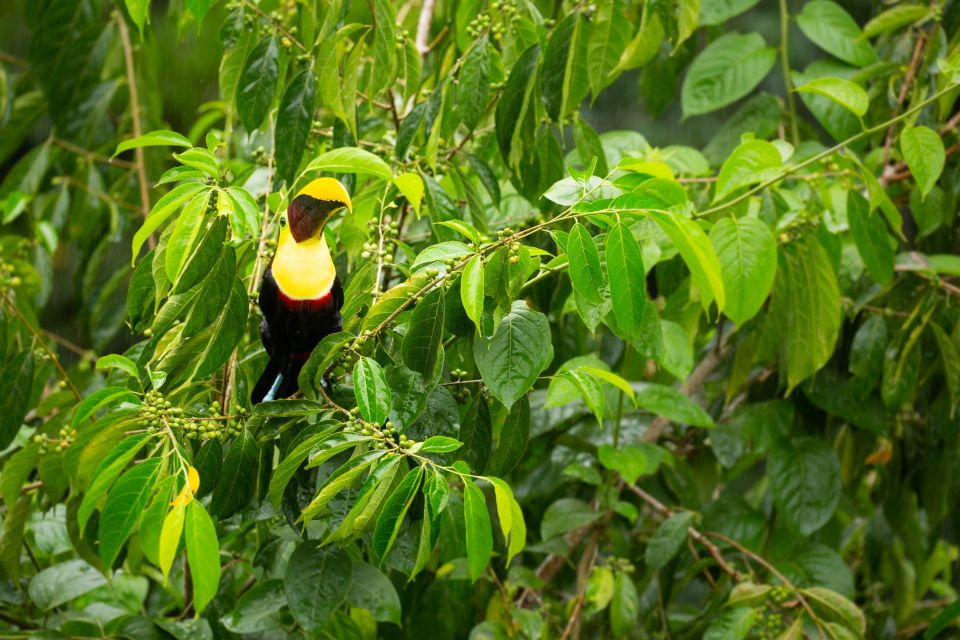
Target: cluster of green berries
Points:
x,y
384,437
460,392
389,230
622,565
158,413
260,156
769,615
478,25
46,444
401,39
8,277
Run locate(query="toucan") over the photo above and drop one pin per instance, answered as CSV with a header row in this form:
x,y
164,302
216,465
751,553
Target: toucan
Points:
x,y
300,294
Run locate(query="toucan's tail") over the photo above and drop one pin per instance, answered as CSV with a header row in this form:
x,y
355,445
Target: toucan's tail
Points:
x,y
279,380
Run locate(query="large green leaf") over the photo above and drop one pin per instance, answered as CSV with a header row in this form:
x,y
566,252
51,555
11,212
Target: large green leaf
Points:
x,y
923,151
473,88
108,470
697,252
844,92
479,536
668,539
237,480
608,38
807,301
511,359
727,70
127,499
294,119
870,235
317,582
627,280
671,404
421,345
371,391
203,554
351,160
394,510
258,82
752,162
564,81
384,69
62,582
159,138
747,252
514,103
832,29
805,482
370,589
585,271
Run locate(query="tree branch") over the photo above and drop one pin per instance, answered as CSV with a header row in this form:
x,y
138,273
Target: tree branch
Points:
x,y
135,117
423,27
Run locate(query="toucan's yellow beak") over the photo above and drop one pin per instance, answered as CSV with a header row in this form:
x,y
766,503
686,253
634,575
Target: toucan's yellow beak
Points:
x,y
314,205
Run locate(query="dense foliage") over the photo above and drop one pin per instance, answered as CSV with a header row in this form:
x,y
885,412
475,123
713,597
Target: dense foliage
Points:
x,y
586,387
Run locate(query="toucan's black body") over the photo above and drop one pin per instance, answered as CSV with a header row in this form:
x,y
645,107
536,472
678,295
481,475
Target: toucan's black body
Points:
x,y
295,319
290,330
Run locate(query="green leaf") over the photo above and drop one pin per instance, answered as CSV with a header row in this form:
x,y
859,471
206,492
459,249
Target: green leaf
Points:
x,y
747,253
728,69
317,583
186,232
16,382
139,11
116,361
630,461
834,606
477,522
511,360
411,186
666,401
563,80
107,471
625,605
805,482
473,88
440,252
514,103
476,433
170,534
627,279
226,332
609,37
845,93
165,207
943,620
296,457
159,138
439,444
123,507
752,162
294,118
351,160
870,235
896,17
421,345
714,12
258,82
697,253
585,272
238,478
510,515
394,511
384,69
923,151
258,609
371,391
732,624
471,290
373,591
203,554
98,400
667,539
512,439
60,583
832,29
808,298
566,514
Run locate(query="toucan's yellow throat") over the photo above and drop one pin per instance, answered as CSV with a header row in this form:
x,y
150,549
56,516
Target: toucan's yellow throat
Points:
x,y
302,266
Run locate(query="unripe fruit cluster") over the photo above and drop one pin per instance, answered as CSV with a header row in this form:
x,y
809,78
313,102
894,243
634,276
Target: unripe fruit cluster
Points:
x,y
8,277
384,437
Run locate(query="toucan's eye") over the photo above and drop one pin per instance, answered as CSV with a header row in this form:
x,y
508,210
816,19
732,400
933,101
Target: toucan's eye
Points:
x,y
283,221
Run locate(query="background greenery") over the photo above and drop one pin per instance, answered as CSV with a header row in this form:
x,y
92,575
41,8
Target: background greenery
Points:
x,y
650,323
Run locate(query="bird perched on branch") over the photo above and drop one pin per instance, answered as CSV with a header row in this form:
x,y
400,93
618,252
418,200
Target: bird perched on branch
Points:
x,y
300,294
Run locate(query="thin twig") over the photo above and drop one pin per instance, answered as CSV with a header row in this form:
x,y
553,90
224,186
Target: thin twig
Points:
x,y
91,155
43,345
695,534
785,65
135,117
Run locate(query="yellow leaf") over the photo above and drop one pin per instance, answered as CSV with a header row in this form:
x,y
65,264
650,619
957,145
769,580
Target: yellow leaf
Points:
x,y
186,494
